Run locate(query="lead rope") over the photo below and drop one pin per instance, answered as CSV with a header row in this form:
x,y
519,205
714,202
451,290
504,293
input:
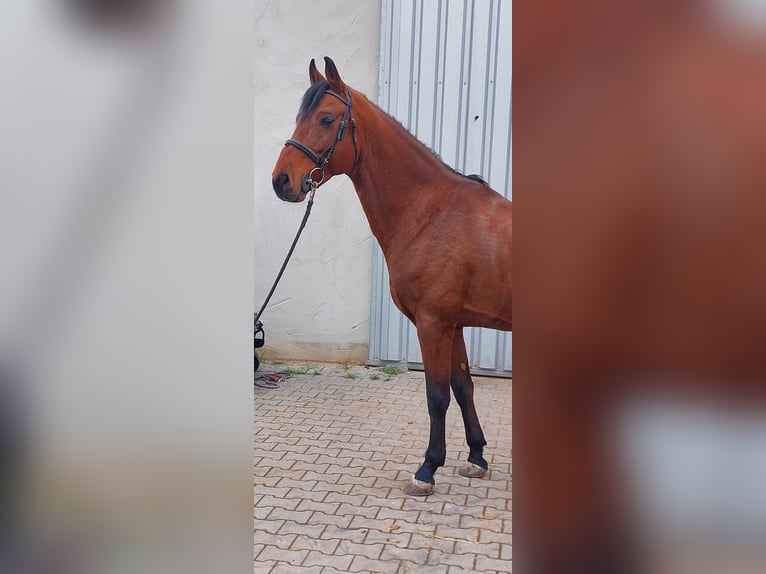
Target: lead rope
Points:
x,y
314,186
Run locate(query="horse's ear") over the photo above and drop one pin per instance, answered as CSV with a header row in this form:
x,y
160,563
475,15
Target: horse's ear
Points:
x,y
333,77
314,74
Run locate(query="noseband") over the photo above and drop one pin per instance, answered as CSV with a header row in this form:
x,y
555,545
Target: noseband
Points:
x,y
322,160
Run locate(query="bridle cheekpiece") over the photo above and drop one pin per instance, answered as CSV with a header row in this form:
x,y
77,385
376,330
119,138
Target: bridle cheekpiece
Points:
x,y
322,160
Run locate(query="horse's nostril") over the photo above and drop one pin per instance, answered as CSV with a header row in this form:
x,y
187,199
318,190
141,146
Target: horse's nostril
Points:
x,y
281,183
306,184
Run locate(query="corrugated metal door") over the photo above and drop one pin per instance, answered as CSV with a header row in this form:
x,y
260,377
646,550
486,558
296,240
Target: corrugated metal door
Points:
x,y
445,73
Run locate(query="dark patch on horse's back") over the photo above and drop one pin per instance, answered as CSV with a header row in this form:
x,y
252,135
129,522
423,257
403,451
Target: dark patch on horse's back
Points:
x,y
312,97
477,177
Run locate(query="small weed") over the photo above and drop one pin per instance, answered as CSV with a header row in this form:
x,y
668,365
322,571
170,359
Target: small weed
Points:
x,y
306,370
390,370
374,377
276,362
350,375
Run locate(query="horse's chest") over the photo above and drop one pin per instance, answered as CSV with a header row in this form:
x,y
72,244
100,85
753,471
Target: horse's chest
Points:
x,y
407,309
418,282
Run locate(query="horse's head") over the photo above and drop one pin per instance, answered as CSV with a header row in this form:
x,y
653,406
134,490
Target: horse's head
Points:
x,y
324,141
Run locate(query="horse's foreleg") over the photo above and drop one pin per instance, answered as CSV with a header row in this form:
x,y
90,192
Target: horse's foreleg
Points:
x,y
462,387
436,346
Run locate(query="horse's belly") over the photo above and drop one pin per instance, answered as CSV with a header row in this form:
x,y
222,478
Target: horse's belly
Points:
x,y
489,295
487,306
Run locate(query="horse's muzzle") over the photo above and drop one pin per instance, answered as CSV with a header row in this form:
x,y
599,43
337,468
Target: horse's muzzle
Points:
x,y
284,189
281,184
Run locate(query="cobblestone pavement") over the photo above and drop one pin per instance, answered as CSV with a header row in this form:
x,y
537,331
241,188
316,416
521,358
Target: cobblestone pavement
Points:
x,y
334,447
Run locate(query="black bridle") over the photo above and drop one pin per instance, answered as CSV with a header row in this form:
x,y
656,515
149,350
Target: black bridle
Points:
x,y
322,160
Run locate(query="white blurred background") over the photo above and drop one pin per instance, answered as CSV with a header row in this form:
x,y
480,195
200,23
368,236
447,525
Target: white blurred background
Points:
x,y
126,284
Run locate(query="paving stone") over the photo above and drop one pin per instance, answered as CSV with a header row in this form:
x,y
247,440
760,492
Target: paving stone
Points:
x,y
399,539
506,551
326,546
354,469
285,568
433,542
490,521
394,514
340,533
273,491
435,519
312,530
484,564
490,550
455,561
264,482
316,558
360,480
322,506
354,500
366,490
261,536
331,487
270,526
371,551
490,536
368,467
324,518
362,564
413,555
457,534
294,557
301,516
282,502
291,482
366,511
371,523
384,502
303,494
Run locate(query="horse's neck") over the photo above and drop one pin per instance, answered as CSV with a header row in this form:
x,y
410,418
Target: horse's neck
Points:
x,y
395,177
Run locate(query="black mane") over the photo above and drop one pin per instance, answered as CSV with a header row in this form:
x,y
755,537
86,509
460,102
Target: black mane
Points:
x,y
475,177
471,176
311,98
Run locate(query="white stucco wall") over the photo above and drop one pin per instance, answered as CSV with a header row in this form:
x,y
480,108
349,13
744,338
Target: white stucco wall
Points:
x,y
321,308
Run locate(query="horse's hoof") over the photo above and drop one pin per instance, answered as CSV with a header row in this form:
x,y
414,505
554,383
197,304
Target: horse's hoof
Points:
x,y
471,470
417,487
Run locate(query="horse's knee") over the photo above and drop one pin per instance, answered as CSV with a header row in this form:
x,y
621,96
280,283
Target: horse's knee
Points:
x,y
438,402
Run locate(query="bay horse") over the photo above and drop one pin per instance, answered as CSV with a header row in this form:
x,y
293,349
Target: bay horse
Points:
x,y
640,171
446,238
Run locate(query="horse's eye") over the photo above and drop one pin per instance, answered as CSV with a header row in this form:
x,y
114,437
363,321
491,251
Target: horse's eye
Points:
x,y
326,121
